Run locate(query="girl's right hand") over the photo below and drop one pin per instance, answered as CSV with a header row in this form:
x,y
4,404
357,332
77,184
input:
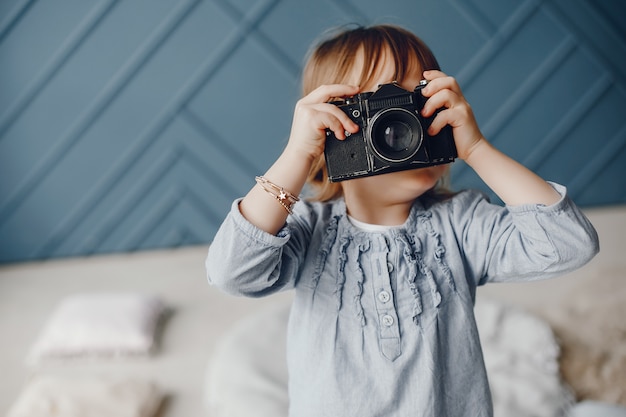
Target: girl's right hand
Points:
x,y
313,115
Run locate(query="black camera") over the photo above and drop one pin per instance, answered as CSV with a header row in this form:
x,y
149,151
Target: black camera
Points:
x,y
392,135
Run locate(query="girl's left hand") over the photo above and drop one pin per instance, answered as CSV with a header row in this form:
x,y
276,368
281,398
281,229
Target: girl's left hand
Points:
x,y
443,92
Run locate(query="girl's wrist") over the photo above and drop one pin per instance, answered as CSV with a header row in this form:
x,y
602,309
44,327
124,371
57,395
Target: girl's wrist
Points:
x,y
291,169
473,154
298,156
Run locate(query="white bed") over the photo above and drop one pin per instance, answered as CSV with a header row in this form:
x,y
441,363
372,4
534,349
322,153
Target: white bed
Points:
x,y
586,310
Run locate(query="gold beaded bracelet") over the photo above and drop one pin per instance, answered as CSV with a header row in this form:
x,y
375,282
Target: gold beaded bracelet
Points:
x,y
285,198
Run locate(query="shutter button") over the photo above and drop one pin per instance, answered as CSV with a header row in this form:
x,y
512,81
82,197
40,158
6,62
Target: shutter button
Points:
x,y
384,296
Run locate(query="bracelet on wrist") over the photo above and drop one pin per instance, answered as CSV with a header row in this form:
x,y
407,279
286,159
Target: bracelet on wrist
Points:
x,y
284,197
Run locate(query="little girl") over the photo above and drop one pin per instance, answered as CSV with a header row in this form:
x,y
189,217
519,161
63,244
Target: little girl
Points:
x,y
385,267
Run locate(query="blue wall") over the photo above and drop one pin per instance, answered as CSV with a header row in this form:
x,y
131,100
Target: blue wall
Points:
x,y
132,124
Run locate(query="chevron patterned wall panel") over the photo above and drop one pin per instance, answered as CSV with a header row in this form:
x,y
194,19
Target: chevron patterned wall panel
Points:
x,y
132,124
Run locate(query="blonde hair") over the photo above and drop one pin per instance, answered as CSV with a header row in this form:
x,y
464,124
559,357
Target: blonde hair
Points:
x,y
331,61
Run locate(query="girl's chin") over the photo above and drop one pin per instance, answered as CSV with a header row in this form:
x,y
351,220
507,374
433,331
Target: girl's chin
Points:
x,y
420,179
417,180
427,174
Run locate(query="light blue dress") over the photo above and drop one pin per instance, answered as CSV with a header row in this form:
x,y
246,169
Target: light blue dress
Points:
x,y
382,323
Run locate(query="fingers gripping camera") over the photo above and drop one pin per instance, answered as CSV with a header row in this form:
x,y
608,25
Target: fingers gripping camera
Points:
x,y
392,136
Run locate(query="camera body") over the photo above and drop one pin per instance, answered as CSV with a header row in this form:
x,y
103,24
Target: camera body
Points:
x,y
392,135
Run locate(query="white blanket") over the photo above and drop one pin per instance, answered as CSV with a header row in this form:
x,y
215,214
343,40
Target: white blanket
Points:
x,y
522,360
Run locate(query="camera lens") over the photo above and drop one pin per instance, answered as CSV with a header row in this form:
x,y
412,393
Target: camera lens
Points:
x,y
395,134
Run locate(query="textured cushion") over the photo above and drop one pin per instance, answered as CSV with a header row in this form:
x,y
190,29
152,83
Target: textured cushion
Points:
x,y
592,331
100,324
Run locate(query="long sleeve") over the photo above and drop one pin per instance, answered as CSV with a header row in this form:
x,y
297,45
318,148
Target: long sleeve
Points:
x,y
525,242
244,260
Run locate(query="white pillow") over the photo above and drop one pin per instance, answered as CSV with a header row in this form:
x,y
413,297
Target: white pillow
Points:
x,y
100,325
48,396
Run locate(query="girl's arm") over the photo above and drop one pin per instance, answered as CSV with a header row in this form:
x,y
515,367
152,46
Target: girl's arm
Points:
x,y
511,181
248,255
312,116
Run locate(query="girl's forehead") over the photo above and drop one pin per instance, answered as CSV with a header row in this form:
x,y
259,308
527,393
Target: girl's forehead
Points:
x,y
368,75
364,72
